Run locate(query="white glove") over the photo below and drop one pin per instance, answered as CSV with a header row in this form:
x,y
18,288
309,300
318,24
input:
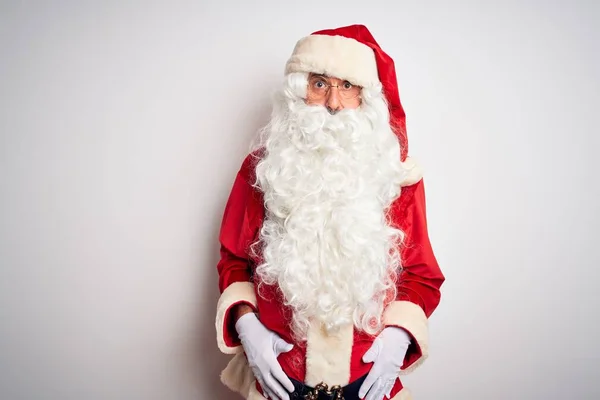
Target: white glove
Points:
x,y
387,354
262,348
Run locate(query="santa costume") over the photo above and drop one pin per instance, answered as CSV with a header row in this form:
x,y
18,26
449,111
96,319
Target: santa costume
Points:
x,y
324,234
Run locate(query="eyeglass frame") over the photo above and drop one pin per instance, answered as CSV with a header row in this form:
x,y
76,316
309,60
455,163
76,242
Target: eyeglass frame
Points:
x,y
325,80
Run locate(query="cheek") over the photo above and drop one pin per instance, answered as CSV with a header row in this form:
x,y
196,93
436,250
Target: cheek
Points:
x,y
313,102
354,103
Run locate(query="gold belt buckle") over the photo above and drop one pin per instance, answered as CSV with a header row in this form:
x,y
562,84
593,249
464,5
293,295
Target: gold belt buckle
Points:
x,y
322,387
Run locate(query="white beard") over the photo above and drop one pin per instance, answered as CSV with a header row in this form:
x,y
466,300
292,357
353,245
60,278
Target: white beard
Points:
x,y
327,182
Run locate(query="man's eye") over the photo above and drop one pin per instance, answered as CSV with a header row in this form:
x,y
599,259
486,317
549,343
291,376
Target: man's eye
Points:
x,y
347,85
319,84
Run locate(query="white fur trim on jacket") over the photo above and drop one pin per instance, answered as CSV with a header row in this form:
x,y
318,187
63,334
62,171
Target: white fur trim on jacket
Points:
x,y
328,356
335,56
403,394
411,317
254,393
235,293
413,172
238,376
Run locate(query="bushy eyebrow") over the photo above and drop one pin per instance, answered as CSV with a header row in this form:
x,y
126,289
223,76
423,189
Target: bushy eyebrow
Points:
x,y
327,78
319,76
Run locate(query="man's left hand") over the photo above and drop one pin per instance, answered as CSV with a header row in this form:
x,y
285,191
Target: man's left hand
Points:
x,y
387,355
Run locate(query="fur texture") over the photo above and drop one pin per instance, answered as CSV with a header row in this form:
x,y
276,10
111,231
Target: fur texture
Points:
x,y
326,242
327,182
403,394
328,356
322,54
237,292
238,376
411,317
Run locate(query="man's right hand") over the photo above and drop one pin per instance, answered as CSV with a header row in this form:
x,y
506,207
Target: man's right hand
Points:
x,y
262,348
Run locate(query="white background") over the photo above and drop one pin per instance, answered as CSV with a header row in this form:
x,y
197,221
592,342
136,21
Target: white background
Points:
x,y
122,127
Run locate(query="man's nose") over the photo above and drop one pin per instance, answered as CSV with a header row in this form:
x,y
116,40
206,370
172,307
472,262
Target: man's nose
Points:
x,y
333,102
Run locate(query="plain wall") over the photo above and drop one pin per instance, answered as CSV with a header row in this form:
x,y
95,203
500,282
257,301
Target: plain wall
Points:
x,y
122,125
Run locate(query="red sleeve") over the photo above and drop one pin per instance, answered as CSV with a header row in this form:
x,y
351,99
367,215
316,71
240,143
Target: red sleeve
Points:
x,y
421,278
235,235
241,219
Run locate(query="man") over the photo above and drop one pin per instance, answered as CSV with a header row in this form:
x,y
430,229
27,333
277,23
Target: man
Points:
x,y
327,275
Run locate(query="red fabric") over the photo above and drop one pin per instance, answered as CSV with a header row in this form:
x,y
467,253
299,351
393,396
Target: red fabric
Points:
x,y
238,228
421,277
387,76
419,282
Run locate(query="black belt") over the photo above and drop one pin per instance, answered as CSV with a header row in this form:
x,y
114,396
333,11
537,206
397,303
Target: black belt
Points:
x,y
323,392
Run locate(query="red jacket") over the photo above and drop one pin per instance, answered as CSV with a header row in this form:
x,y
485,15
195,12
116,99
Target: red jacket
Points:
x,y
321,358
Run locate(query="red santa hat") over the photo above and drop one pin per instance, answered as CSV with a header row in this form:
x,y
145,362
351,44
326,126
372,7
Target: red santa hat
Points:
x,y
351,53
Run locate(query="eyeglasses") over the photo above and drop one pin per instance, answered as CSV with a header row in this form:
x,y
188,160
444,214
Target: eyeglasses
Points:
x,y
319,87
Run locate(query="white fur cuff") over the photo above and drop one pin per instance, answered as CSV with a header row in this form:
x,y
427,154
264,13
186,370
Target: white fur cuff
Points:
x,y
336,56
411,317
403,394
237,292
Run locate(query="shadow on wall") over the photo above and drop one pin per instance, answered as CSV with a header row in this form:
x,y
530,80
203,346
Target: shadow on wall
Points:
x,y
205,361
